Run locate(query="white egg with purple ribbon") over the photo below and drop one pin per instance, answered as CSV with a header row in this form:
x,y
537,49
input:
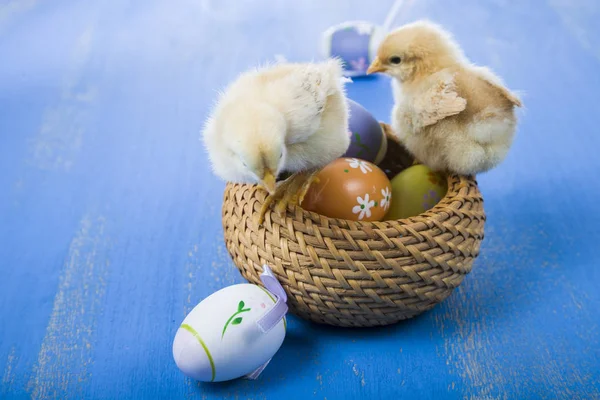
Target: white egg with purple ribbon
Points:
x,y
234,332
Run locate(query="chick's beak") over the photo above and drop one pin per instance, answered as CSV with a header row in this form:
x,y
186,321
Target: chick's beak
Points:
x,y
376,66
268,182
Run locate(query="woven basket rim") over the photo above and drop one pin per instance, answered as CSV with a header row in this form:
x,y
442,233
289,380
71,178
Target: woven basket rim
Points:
x,y
454,184
446,200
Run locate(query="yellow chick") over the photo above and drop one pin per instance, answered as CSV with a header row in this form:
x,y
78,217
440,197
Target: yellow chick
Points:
x,y
451,115
289,117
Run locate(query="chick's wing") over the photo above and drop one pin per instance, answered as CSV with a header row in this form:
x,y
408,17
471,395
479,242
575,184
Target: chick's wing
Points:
x,y
438,101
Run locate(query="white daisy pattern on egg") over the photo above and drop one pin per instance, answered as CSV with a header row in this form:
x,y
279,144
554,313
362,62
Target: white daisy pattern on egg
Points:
x,y
387,197
356,163
363,207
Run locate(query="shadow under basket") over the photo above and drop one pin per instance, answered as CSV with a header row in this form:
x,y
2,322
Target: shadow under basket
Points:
x,y
359,274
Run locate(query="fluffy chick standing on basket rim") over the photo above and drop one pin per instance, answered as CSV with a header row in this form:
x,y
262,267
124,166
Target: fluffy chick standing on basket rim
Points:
x,y
290,117
451,115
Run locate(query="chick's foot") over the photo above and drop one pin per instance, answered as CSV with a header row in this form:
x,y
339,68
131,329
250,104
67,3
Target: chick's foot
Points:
x,y
289,192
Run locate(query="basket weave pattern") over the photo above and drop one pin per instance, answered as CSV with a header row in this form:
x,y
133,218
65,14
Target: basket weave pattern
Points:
x,y
358,274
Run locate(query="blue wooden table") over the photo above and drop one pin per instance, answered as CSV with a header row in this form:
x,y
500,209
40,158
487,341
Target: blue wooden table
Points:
x,y
110,228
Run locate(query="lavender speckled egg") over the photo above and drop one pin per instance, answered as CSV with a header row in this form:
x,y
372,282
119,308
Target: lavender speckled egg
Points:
x,y
367,139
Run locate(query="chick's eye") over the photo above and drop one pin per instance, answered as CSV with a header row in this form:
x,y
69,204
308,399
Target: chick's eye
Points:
x,y
395,60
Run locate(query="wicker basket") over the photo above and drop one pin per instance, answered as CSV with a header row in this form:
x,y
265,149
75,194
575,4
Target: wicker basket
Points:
x,y
359,274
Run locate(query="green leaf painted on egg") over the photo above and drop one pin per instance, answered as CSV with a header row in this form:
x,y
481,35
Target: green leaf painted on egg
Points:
x,y
234,319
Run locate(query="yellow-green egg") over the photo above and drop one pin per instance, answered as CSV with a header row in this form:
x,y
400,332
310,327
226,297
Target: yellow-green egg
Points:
x,y
415,190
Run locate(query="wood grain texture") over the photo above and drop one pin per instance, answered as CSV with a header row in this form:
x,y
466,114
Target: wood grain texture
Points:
x,y
67,344
110,228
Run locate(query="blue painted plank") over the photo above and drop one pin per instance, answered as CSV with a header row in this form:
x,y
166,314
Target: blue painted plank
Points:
x,y
110,226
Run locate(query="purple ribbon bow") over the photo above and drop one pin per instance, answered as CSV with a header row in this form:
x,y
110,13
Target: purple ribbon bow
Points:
x,y
275,314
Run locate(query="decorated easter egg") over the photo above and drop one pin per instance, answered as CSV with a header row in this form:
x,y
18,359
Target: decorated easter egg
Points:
x,y
224,337
367,139
415,190
350,188
355,43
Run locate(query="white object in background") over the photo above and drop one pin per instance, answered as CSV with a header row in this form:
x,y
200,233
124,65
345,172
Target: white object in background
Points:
x,y
232,333
356,42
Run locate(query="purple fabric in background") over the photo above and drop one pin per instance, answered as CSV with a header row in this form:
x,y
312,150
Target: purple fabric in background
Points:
x,y
352,46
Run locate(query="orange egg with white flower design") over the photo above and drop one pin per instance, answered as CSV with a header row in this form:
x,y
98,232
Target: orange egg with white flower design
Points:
x,y
350,188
